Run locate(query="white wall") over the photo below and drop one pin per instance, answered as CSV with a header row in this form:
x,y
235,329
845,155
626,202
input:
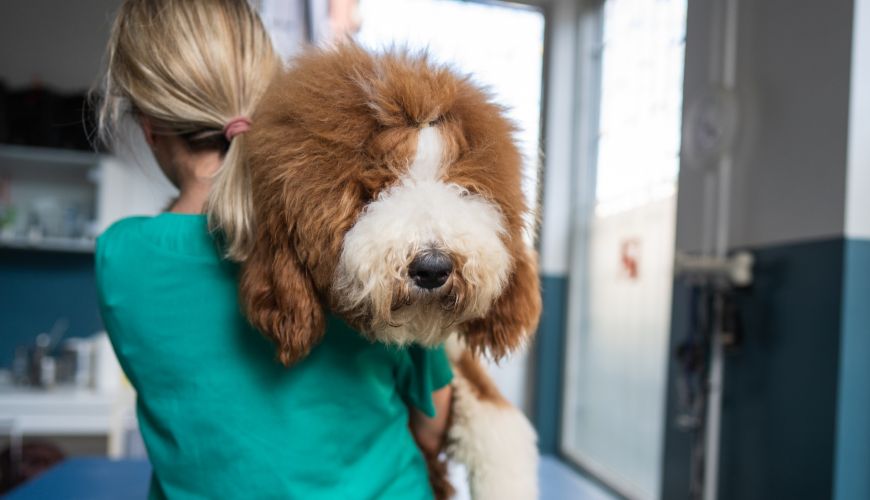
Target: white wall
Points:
x,y
791,155
61,40
858,187
558,147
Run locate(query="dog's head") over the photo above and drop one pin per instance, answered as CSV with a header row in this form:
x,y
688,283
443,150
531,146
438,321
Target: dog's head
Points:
x,y
389,190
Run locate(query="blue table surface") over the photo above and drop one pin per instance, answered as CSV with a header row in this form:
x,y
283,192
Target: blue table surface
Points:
x,y
104,479
89,478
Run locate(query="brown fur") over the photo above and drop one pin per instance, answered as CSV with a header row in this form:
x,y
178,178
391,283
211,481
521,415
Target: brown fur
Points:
x,y
336,129
438,476
469,366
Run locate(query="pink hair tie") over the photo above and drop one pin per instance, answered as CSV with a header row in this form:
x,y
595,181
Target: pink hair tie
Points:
x,y
236,126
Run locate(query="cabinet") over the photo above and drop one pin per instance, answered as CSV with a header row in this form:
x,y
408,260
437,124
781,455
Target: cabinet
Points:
x,y
61,200
48,198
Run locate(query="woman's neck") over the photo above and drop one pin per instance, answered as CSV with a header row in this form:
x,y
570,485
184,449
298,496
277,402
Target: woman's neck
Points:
x,y
196,176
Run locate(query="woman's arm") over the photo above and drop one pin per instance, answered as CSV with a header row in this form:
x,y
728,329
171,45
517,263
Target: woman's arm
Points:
x,y
429,432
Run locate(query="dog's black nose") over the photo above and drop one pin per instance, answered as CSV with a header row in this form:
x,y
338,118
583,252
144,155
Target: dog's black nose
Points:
x,y
430,270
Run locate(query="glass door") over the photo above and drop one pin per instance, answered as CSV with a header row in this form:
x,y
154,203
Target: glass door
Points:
x,y
620,292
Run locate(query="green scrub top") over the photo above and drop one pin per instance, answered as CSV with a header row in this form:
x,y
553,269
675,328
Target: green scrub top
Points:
x,y
219,416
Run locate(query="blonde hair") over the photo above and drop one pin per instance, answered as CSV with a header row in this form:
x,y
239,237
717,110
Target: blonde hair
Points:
x,y
190,66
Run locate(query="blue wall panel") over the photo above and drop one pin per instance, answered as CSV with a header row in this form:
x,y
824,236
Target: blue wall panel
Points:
x,y
852,465
780,392
779,402
549,354
36,288
676,464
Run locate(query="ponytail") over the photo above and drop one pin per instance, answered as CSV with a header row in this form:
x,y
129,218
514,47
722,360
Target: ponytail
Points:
x,y
196,68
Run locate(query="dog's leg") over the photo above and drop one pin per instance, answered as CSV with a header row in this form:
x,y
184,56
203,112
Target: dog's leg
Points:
x,y
487,434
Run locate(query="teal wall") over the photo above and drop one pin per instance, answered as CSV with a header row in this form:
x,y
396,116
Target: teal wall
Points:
x,y
852,461
676,463
796,399
780,394
548,359
36,288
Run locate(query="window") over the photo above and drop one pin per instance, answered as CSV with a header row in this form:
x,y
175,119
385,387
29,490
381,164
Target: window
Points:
x,y
620,292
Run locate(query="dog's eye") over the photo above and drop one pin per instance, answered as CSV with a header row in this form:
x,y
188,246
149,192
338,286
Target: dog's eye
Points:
x,y
424,124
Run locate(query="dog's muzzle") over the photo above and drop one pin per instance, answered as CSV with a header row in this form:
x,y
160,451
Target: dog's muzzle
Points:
x,y
430,270
424,255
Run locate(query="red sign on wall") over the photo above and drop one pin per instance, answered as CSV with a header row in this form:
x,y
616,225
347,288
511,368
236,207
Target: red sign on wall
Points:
x,y
630,258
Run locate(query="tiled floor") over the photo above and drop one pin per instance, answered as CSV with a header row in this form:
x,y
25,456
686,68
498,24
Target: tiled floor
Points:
x,y
560,482
557,481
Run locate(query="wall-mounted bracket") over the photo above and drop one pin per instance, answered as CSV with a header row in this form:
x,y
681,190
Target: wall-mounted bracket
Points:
x,y
737,269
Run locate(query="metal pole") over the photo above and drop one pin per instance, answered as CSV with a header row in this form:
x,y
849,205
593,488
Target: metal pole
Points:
x,y
717,360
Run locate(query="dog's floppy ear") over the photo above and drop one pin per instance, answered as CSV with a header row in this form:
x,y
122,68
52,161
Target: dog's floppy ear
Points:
x,y
279,299
514,316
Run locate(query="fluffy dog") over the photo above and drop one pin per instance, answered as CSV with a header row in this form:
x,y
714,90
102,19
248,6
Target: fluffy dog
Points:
x,y
389,189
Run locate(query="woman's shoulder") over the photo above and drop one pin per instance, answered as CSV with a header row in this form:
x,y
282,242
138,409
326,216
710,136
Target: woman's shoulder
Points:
x,y
120,234
116,254
123,228
165,235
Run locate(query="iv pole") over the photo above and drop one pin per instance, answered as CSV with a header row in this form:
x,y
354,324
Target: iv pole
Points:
x,y
728,51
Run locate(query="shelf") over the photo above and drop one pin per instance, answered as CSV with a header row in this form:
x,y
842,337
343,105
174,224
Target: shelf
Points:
x,y
76,245
11,154
43,183
63,411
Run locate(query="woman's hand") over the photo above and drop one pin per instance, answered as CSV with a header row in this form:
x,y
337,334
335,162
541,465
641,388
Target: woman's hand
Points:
x,y
430,432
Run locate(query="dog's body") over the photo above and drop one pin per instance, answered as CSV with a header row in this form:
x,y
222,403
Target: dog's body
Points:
x,y
389,190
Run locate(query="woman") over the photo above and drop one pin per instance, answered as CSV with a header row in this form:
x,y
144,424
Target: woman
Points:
x,y
219,416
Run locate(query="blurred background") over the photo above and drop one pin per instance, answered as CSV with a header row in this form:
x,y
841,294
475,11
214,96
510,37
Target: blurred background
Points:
x,y
702,169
